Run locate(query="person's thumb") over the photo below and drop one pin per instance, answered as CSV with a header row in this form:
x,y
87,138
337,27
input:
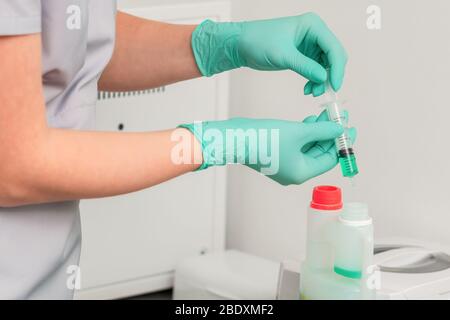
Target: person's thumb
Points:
x,y
322,131
305,66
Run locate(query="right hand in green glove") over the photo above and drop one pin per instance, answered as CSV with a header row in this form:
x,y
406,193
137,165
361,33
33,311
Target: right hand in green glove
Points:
x,y
303,44
286,151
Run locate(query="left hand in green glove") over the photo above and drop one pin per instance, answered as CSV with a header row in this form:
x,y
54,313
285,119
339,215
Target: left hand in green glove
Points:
x,y
285,151
303,44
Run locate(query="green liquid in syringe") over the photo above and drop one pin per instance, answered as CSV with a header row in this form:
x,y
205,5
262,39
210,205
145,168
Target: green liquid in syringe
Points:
x,y
348,165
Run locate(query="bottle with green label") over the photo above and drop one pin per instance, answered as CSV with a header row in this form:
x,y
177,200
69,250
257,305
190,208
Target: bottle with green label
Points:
x,y
354,246
339,249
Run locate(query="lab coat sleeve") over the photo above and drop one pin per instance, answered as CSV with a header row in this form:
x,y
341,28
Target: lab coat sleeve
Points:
x,y
20,17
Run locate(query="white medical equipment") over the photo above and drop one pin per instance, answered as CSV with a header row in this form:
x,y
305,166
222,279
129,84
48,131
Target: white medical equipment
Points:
x,y
229,275
408,270
413,270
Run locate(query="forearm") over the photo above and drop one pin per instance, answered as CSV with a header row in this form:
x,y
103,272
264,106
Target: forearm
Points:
x,y
68,165
149,54
43,164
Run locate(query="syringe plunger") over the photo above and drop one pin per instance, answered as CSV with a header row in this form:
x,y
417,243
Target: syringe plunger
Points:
x,y
344,145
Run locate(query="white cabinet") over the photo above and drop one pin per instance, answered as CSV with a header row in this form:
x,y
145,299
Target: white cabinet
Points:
x,y
132,243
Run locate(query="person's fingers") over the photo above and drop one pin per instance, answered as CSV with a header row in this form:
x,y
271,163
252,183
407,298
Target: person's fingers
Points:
x,y
335,53
316,148
337,71
323,60
318,89
305,66
320,131
307,147
321,147
322,163
310,119
323,116
308,88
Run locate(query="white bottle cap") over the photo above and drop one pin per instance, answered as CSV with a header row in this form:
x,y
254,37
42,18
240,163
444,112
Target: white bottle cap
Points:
x,y
355,214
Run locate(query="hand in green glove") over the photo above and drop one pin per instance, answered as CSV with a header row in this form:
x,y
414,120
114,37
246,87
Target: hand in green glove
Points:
x,y
303,44
286,151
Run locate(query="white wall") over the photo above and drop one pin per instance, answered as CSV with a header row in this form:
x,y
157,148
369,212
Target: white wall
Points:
x,y
396,90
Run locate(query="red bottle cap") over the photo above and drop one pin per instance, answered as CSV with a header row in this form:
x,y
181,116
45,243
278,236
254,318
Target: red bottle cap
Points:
x,y
327,198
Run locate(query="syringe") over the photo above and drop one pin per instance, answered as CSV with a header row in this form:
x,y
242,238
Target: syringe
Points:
x,y
344,145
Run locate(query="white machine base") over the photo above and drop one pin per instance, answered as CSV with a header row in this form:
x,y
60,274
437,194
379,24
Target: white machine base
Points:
x,y
409,269
227,275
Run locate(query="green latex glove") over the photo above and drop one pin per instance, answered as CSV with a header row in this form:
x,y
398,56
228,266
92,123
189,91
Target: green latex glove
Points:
x,y
285,151
303,44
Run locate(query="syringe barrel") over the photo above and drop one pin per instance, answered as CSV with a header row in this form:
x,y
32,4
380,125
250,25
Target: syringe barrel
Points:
x,y
344,145
343,142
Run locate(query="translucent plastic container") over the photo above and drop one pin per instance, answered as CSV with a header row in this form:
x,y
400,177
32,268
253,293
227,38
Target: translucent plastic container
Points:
x,y
354,246
323,214
322,284
339,249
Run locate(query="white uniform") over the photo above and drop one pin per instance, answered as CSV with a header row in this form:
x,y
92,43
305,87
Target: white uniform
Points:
x,y
39,242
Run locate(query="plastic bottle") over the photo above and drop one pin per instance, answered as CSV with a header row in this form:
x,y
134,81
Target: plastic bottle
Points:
x,y
323,214
354,247
339,249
